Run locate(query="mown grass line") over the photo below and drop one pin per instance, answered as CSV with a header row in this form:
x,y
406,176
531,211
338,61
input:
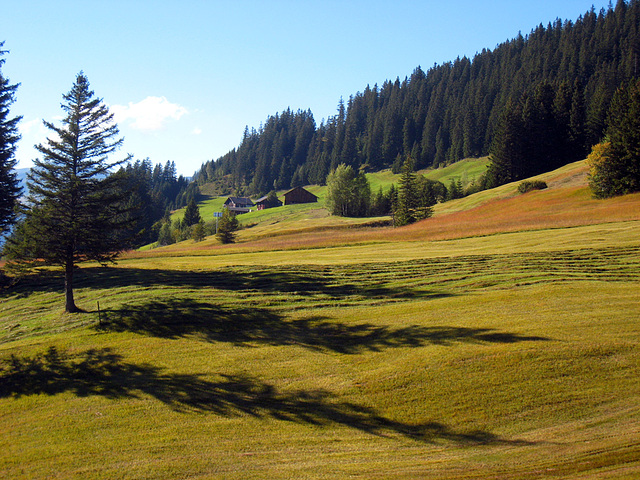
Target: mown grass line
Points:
x,y
293,287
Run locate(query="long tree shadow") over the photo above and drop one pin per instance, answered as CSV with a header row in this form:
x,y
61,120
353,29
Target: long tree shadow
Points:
x,y
253,326
307,281
104,373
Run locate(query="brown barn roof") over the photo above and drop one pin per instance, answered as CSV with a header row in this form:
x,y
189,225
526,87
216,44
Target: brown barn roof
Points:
x,y
299,195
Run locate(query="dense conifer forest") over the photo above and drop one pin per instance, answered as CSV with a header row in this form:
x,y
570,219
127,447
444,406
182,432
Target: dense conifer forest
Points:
x,y
151,193
562,75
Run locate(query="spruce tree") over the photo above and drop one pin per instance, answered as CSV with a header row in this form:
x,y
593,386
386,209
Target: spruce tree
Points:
x,y
623,130
9,183
75,212
577,123
227,227
164,234
272,200
509,145
405,210
191,214
198,231
617,170
455,189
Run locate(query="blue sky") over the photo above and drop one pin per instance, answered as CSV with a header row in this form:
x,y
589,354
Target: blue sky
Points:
x,y
184,77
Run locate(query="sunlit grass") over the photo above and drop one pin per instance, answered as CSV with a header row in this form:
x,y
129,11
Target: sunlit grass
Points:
x,y
466,171
483,375
500,342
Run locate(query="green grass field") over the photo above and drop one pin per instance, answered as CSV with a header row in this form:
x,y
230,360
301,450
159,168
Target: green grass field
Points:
x,y
371,353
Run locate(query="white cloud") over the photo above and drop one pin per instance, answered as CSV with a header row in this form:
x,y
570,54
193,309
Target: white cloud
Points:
x,y
196,131
28,127
149,114
33,132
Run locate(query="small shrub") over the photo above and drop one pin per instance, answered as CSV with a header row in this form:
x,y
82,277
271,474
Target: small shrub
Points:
x,y
527,186
198,231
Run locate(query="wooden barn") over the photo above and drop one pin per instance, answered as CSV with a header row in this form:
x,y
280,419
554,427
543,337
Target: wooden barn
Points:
x,y
299,195
265,202
238,205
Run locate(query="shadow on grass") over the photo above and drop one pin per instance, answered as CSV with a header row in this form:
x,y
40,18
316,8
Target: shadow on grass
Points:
x,y
306,281
104,373
253,326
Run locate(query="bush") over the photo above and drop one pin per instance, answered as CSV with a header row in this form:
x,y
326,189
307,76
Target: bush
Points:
x,y
529,185
198,232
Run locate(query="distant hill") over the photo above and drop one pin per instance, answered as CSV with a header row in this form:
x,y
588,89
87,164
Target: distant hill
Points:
x,y
466,171
447,112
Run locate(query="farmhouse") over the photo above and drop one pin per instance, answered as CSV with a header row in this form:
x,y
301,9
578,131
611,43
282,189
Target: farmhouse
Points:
x,y
299,195
238,205
265,202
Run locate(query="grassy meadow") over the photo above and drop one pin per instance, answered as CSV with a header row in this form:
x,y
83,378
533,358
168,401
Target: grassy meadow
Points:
x,y
498,339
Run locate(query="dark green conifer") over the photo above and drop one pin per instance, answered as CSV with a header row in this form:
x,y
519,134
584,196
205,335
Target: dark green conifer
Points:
x,y
227,226
618,172
191,214
9,183
75,211
508,147
405,211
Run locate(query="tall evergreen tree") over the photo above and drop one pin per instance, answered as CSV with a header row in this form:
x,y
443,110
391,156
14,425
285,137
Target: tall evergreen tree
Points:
x,y
508,147
191,214
577,123
9,183
75,210
406,208
227,226
617,172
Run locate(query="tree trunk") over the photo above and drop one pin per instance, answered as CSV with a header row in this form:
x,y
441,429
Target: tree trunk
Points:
x,y
70,305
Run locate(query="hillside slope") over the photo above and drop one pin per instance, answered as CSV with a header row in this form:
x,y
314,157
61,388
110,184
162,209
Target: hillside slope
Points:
x,y
567,202
466,171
